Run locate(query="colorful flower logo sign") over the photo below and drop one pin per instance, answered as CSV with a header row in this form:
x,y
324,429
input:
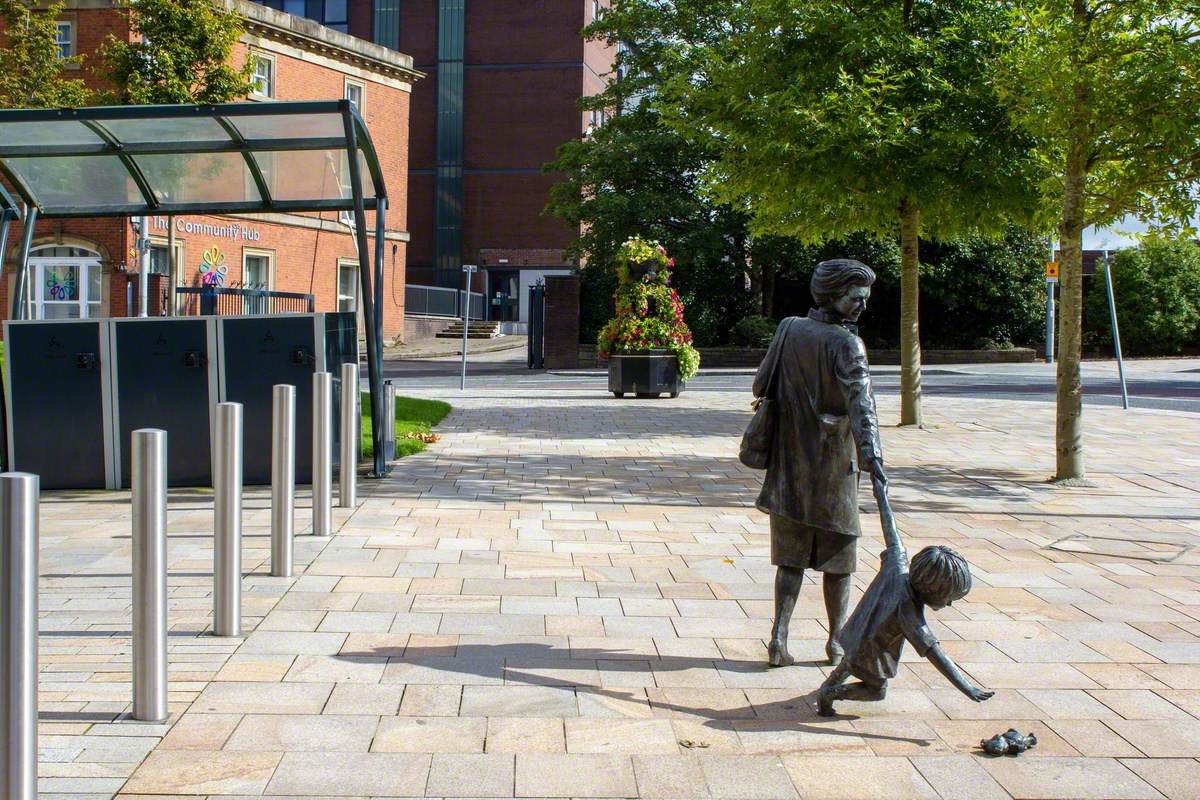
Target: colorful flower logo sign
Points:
x,y
60,285
213,268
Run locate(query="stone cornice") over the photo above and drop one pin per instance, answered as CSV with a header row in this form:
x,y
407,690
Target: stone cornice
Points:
x,y
306,35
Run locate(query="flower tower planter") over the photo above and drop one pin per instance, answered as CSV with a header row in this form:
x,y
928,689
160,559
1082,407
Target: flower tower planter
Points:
x,y
648,345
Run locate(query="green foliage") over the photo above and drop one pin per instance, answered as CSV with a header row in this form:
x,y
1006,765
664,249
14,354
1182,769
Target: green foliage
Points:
x,y
754,331
31,72
182,57
649,312
976,292
1157,288
1115,87
415,419
823,116
634,176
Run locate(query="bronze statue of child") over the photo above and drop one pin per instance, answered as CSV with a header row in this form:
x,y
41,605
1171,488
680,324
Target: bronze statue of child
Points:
x,y
892,611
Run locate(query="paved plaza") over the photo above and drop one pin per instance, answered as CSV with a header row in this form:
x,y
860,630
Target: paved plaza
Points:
x,y
567,596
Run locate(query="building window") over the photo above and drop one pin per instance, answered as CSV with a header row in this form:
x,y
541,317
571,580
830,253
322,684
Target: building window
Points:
x,y
333,15
257,274
595,9
67,282
263,77
256,269
347,285
159,263
354,93
64,36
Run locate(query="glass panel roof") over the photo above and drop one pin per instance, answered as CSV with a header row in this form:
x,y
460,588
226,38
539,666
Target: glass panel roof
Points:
x,y
313,126
67,180
296,174
140,131
51,132
132,160
199,177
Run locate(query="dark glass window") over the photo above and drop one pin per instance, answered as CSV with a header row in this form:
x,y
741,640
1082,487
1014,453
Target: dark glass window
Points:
x,y
330,13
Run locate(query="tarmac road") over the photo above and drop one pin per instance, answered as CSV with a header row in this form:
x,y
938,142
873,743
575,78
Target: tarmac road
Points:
x,y
1169,384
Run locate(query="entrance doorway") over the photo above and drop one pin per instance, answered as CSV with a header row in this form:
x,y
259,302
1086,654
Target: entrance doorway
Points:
x,y
505,300
66,282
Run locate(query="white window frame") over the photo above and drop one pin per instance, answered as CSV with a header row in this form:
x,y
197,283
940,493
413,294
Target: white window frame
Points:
x,y
596,7
337,289
272,78
362,94
83,265
162,241
269,255
70,43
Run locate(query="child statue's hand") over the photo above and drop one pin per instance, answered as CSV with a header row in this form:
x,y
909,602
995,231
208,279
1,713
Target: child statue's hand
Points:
x,y
977,694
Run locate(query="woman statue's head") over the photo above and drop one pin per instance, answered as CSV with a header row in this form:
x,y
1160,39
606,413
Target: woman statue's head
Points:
x,y
842,286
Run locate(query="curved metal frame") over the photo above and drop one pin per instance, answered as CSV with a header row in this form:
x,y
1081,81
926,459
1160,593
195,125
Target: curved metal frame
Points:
x,y
355,139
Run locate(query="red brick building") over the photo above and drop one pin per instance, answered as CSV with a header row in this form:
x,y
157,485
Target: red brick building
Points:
x,y
311,253
504,81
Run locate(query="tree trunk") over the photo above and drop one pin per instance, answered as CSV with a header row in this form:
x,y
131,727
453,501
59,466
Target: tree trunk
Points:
x,y
768,290
1068,432
910,330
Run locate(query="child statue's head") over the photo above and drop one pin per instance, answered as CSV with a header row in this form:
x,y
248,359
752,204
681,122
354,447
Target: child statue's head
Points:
x,y
939,576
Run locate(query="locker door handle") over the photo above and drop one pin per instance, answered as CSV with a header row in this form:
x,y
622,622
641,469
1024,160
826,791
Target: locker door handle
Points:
x,y
86,360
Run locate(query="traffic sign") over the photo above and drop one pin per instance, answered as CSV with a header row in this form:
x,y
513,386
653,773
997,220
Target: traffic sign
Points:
x,y
1051,270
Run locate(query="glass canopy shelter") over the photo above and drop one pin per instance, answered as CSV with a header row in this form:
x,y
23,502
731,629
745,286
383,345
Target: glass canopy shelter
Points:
x,y
236,158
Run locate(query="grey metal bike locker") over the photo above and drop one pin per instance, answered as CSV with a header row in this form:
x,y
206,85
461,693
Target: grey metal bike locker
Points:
x,y
257,352
56,386
164,375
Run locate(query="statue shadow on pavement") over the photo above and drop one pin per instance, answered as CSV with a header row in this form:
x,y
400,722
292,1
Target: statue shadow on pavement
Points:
x,y
517,663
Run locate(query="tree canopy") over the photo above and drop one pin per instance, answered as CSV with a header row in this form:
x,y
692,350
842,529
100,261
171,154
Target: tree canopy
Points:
x,y
182,55
1109,90
827,118
32,72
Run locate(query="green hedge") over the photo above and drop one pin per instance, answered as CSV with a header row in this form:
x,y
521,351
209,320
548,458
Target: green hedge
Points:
x,y
1157,288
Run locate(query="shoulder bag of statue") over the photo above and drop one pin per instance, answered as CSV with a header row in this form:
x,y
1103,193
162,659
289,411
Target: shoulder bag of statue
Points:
x,y
760,433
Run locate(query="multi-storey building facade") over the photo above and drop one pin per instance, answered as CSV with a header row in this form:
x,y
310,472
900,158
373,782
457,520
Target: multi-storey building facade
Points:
x,y
83,267
504,82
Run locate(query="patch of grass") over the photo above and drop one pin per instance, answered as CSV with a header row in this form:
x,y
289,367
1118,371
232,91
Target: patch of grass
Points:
x,y
413,416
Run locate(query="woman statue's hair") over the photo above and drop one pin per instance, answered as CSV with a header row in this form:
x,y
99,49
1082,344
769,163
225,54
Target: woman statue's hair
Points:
x,y
834,277
940,575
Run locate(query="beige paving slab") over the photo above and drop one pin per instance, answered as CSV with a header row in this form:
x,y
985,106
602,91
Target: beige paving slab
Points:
x,y
430,735
367,774
1081,778
1161,738
1174,778
958,778
471,775
856,778
263,698
192,772
574,775
525,735
301,733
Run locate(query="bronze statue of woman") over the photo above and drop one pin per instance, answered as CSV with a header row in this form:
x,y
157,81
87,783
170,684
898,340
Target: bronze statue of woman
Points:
x,y
826,429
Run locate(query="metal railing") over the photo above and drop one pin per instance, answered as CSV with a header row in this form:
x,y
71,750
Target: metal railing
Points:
x,y
211,300
438,301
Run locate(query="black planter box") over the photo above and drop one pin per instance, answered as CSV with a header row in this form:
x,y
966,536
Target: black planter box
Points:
x,y
649,373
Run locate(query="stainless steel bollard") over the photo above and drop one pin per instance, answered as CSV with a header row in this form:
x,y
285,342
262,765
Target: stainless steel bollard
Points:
x,y
348,468
283,478
227,534
19,634
322,457
149,496
389,414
